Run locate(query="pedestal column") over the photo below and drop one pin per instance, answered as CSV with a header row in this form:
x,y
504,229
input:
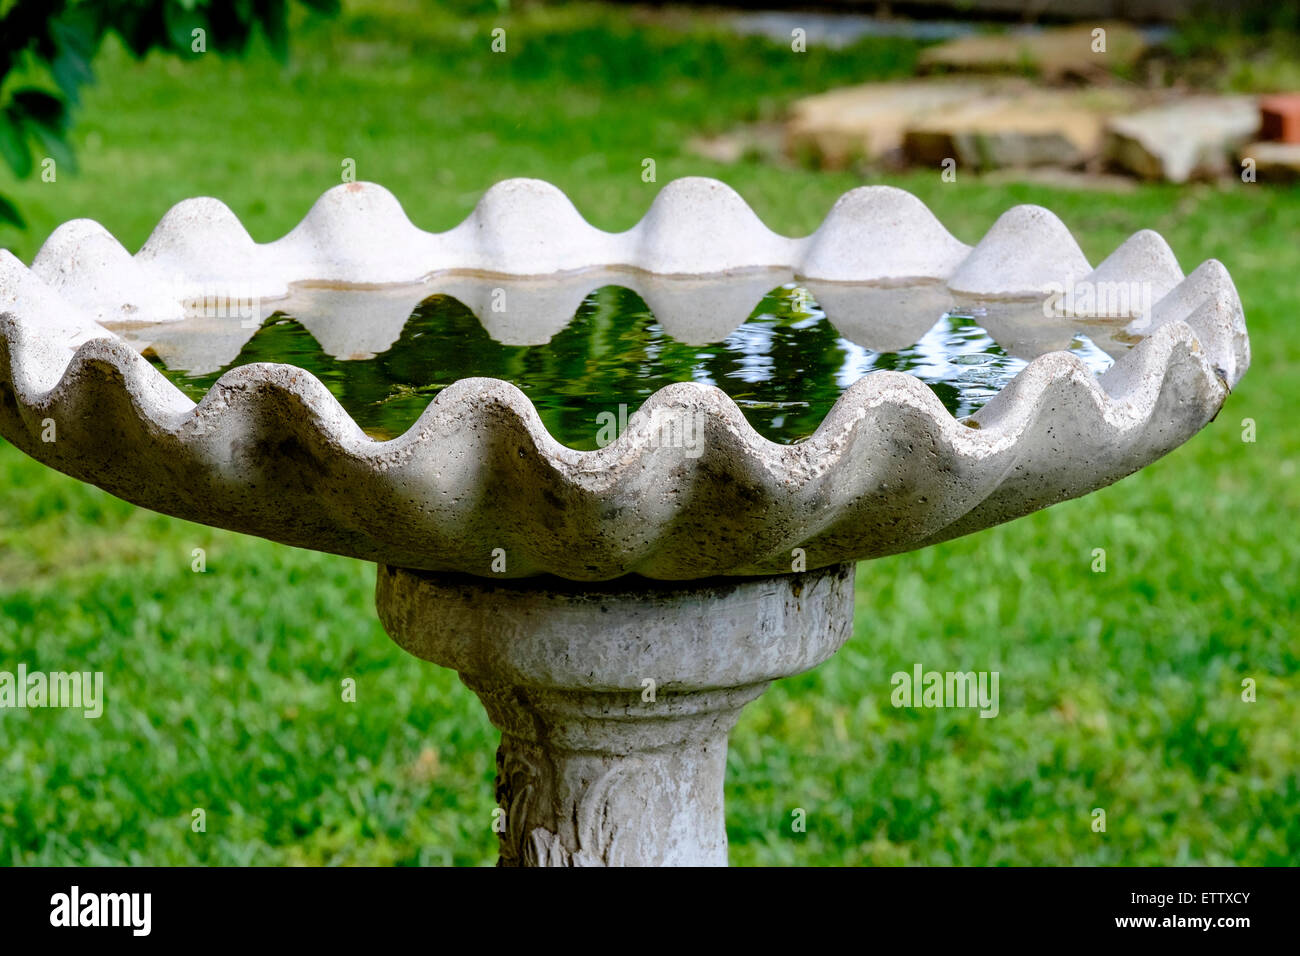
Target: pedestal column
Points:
x,y
614,701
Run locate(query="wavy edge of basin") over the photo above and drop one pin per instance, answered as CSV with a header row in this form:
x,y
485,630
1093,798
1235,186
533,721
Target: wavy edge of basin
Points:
x,y
888,470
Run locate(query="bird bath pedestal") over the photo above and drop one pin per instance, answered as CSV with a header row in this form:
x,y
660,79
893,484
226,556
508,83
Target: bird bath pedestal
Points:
x,y
613,608
614,702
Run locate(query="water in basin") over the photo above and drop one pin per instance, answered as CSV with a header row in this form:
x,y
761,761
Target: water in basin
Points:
x,y
784,365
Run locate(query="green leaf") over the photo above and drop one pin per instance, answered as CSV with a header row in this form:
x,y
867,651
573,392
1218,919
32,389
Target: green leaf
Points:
x,y
181,24
41,108
140,29
9,214
71,73
13,145
57,148
274,16
75,39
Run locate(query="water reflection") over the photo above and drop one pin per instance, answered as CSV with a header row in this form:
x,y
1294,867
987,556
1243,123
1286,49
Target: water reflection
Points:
x,y
784,366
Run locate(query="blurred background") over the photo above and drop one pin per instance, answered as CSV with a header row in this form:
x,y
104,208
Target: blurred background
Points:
x,y
1120,690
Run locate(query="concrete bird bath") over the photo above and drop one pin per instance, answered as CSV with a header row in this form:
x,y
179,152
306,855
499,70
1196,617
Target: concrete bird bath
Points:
x,y
613,608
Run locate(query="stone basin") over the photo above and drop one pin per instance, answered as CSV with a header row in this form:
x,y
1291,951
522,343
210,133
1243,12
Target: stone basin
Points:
x,y
615,608
269,451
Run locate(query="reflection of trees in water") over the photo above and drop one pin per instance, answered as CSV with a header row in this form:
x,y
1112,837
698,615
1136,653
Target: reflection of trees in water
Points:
x,y
785,367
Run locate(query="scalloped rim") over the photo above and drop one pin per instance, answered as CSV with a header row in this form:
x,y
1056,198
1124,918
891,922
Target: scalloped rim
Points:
x,y
61,362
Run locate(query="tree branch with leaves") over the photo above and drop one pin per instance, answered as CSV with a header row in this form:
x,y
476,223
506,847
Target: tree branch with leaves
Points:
x,y
47,48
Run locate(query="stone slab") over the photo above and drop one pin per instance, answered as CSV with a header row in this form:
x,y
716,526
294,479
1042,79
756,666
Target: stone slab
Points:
x,y
1037,128
870,121
1274,162
1053,53
1186,139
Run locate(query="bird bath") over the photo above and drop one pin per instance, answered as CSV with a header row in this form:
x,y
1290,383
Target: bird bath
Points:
x,y
649,460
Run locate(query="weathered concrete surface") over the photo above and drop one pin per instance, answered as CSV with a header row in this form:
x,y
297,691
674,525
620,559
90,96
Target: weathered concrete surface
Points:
x,y
614,703
1193,137
689,490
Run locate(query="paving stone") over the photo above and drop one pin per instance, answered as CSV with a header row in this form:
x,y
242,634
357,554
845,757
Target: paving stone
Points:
x,y
1054,53
1274,162
757,141
1192,137
869,121
1039,128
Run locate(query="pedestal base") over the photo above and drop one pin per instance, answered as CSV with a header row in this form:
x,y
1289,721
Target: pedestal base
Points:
x,y
614,701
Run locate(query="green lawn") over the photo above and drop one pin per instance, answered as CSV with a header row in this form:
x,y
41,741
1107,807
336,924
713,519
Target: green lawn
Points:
x,y
1120,690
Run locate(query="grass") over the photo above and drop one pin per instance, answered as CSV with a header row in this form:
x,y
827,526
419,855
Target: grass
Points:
x,y
1120,690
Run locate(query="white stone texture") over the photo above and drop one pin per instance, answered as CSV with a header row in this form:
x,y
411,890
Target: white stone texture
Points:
x,y
269,451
